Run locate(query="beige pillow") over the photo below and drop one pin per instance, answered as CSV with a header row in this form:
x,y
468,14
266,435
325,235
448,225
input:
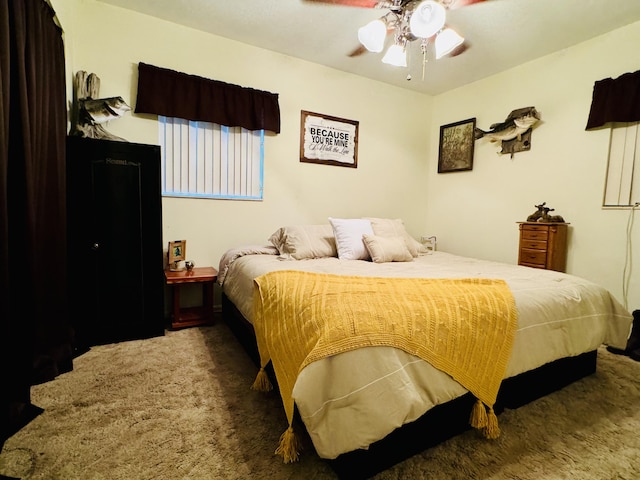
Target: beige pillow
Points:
x,y
387,249
300,242
388,227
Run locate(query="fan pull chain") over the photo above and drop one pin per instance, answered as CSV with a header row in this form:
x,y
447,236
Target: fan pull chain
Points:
x,y
423,48
408,53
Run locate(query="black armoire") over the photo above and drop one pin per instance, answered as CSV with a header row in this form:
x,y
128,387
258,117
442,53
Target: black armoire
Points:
x,y
115,262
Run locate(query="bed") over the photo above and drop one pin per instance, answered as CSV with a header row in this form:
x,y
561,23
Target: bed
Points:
x,y
367,408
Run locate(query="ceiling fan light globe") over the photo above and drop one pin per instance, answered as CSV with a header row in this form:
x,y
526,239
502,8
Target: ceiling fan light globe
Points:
x,y
372,35
427,19
447,41
396,56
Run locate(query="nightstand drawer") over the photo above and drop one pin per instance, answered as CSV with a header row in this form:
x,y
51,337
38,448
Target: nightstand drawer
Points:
x,y
533,244
535,257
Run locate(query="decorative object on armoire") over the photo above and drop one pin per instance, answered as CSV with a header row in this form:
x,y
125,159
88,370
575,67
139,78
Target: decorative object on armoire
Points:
x,y
543,245
542,215
189,264
115,251
176,253
456,146
89,112
514,132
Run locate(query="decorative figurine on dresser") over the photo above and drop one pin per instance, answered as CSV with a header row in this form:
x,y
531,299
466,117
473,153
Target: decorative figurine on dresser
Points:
x,y
543,240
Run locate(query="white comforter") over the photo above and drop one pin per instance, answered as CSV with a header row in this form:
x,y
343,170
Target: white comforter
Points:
x,y
559,315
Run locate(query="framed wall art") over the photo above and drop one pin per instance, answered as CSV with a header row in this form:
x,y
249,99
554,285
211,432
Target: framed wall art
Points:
x,y
328,140
457,141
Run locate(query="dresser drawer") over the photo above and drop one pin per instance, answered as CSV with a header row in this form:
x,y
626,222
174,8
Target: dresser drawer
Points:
x,y
533,257
535,233
533,244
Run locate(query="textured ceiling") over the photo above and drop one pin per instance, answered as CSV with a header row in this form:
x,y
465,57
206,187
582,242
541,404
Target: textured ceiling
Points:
x,y
499,33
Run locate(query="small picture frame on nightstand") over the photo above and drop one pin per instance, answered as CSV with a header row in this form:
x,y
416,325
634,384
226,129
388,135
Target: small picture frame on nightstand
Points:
x,y
176,253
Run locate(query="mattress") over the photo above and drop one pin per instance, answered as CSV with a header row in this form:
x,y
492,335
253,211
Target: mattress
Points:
x,y
351,400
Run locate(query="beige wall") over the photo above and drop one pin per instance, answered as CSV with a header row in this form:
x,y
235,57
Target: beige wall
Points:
x,y
472,213
475,213
393,130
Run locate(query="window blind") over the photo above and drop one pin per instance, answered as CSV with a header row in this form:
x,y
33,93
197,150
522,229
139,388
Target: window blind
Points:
x,y
622,188
203,159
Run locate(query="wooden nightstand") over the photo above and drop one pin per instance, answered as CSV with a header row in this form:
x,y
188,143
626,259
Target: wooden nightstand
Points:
x,y
192,316
543,245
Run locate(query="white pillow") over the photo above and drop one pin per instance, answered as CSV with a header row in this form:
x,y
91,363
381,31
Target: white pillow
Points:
x,y
387,249
348,233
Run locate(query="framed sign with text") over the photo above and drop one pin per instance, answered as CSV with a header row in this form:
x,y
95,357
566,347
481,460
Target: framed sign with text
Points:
x,y
328,140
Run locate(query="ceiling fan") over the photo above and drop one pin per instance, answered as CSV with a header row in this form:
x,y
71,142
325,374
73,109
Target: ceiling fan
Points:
x,y
408,21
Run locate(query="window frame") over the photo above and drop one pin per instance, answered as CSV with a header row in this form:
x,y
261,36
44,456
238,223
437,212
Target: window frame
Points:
x,y
622,178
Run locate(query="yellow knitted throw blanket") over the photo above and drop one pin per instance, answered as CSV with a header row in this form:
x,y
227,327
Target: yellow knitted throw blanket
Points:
x,y
464,327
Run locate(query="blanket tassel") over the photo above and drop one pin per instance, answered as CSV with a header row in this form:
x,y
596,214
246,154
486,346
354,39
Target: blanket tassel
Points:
x,y
262,383
485,421
478,415
491,430
289,447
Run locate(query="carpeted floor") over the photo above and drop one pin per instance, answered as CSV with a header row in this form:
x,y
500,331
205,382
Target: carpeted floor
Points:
x,y
180,407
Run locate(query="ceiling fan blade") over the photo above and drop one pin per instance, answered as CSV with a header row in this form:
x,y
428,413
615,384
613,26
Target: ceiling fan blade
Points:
x,y
460,49
349,3
356,52
453,4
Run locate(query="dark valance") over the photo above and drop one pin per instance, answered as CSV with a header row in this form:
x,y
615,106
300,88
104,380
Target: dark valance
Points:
x,y
615,100
179,95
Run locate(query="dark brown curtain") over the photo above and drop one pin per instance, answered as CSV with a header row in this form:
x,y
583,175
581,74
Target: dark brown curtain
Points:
x,y
615,100
179,95
35,341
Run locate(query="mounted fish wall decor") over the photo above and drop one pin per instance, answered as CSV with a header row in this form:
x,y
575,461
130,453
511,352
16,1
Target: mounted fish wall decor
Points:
x,y
89,113
514,132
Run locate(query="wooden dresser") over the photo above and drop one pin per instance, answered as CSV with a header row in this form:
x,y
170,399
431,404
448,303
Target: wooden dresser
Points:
x,y
543,245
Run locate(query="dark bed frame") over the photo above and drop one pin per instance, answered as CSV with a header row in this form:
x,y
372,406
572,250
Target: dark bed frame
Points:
x,y
439,423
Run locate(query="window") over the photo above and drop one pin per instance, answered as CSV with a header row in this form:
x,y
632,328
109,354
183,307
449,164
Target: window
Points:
x,y
207,160
622,187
